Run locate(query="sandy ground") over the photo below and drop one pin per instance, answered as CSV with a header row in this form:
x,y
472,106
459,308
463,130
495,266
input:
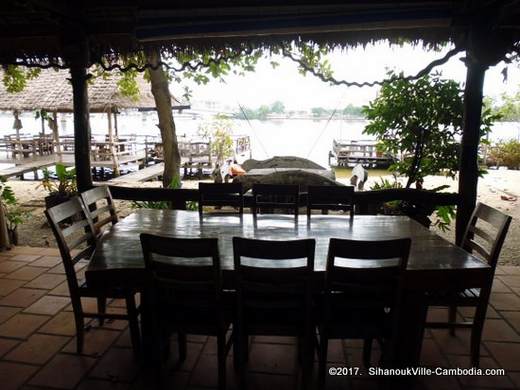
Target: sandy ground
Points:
x,y
496,183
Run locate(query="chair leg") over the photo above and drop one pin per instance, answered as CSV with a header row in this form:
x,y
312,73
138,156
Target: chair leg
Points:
x,y
452,318
79,321
133,323
221,352
80,331
322,365
367,352
181,340
476,334
102,308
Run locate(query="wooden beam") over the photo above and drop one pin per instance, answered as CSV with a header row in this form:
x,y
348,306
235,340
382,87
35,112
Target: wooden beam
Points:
x,y
469,172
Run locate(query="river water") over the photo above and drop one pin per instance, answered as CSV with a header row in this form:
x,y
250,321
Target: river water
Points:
x,y
306,138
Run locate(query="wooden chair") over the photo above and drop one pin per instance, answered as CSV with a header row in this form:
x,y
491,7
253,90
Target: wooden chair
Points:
x,y
274,295
484,237
276,196
221,194
362,295
98,201
187,296
74,230
330,198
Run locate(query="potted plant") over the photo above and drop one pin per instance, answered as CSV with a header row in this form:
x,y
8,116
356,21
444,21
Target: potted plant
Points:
x,y
15,216
62,189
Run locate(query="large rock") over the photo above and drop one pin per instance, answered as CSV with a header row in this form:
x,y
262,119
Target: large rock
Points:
x,y
303,178
281,162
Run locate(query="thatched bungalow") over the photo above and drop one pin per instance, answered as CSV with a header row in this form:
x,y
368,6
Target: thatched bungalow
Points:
x,y
51,91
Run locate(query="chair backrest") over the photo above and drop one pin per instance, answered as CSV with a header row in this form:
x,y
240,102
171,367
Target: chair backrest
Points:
x,y
98,201
276,196
182,278
276,273
221,194
486,232
367,273
73,228
330,198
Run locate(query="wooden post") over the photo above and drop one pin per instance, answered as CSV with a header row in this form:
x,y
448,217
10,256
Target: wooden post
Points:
x,y
78,62
468,173
112,147
56,135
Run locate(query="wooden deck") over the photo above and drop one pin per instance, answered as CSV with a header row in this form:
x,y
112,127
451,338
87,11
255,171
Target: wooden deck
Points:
x,y
140,176
31,164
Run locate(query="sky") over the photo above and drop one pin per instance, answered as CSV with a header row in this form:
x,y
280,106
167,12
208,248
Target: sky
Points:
x,y
266,85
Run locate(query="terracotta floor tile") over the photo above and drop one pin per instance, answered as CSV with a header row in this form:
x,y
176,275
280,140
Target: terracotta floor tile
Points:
x,y
274,340
499,330
26,250
458,344
431,354
10,266
97,341
500,287
7,286
506,354
515,377
513,317
22,297
511,280
7,312
46,281
469,312
507,302
61,324
38,349
26,258
257,381
98,384
14,375
61,290
118,364
205,373
192,356
48,304
26,273
50,251
272,358
47,261
21,325
6,345
64,371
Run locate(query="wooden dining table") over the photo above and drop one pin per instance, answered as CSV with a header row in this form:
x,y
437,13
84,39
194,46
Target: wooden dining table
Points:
x,y
435,264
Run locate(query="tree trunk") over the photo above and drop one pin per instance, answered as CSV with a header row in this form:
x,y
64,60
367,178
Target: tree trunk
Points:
x,y
163,103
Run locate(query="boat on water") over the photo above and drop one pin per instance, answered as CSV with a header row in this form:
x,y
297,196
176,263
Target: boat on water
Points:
x,y
348,153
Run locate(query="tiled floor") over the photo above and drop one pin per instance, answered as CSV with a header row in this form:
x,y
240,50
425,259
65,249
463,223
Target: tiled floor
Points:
x,y
37,345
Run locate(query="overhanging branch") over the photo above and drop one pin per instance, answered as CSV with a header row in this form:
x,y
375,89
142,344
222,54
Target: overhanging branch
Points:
x,y
332,80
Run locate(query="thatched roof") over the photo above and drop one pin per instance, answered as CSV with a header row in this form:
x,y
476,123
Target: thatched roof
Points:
x,y
39,30
52,91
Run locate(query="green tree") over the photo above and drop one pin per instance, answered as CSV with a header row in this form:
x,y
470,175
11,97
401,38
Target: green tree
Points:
x,y
277,107
219,131
352,110
318,112
506,154
420,122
